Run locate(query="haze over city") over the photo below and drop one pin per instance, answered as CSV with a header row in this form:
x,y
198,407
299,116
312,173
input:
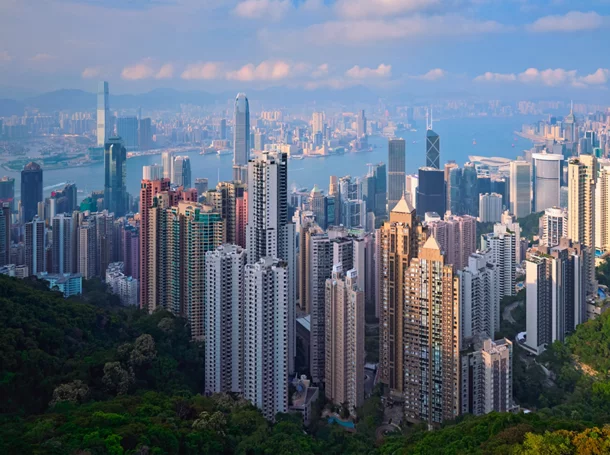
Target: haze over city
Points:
x,y
304,226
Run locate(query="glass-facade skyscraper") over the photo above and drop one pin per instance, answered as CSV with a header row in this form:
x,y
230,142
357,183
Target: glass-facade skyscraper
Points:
x,y
127,129
31,191
103,114
433,149
241,131
396,171
115,170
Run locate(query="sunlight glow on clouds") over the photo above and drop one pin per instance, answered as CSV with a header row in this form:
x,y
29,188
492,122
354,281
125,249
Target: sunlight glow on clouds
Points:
x,y
571,22
549,77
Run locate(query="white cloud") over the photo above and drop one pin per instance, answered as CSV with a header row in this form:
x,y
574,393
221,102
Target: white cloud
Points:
x,y
42,57
262,9
433,75
146,69
91,72
362,9
371,31
320,71
571,22
357,72
5,56
265,71
165,72
203,70
550,77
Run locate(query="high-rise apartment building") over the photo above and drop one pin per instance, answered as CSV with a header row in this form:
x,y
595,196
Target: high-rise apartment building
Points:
x,y
182,172
457,236
553,226
520,188
152,172
5,233
555,286
31,191
431,341
582,180
267,329
490,208
35,246
104,124
479,297
241,131
61,244
502,244
231,200
487,378
399,242
602,207
344,343
546,170
224,319
396,171
115,176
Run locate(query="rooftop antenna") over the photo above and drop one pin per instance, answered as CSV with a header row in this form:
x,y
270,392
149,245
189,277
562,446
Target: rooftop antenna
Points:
x,y
427,118
571,106
430,119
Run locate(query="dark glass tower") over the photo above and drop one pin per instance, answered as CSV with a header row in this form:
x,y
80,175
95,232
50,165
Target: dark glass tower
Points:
x,y
396,171
7,191
115,169
31,191
433,149
431,195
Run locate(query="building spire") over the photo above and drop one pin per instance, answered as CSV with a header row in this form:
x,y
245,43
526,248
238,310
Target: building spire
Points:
x,y
571,106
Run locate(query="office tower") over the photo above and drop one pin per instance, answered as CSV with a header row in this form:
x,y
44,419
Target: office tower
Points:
x,y
167,161
241,131
35,246
104,241
344,376
267,321
222,133
31,191
501,185
353,214
224,319
602,207
490,208
555,284
453,174
63,201
479,298
546,170
411,185
431,338
259,141
399,240
148,234
381,189
553,226
127,130
396,171
431,195
152,172
457,236
104,124
582,179
317,123
503,246
333,186
201,185
487,378
469,191
144,134
317,206
368,193
361,124
570,132
7,191
520,188
5,233
182,171
115,176
433,149
61,244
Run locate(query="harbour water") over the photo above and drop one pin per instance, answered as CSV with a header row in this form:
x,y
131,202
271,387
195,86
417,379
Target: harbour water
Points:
x,y
494,136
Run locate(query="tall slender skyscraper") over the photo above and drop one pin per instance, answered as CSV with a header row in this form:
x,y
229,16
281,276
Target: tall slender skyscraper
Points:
x,y
115,176
602,207
431,338
103,115
35,246
241,131
433,149
520,188
547,180
7,191
31,191
396,171
61,247
582,180
182,172
431,194
167,161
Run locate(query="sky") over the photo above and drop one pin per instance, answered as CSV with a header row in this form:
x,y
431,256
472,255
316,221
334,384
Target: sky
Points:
x,y
529,47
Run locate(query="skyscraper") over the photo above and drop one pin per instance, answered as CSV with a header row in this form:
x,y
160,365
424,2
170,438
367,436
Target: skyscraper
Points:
x,y
431,194
602,207
241,131
344,344
152,172
7,191
267,321
433,149
31,191
520,188
167,161
144,134
35,246
103,115
61,244
582,180
317,123
553,226
361,124
115,176
546,171
431,338
503,246
224,319
490,208
457,236
399,240
453,174
127,130
182,172
396,171
5,233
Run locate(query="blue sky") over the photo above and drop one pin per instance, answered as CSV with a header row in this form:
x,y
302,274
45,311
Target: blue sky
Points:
x,y
542,48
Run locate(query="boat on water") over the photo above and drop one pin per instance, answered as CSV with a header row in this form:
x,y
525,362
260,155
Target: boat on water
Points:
x,y
224,152
474,142
297,157
413,130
